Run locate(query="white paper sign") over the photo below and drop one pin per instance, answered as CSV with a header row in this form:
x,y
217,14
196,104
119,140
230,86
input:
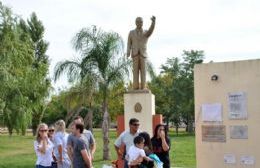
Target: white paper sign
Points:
x,y
212,112
237,105
229,159
247,160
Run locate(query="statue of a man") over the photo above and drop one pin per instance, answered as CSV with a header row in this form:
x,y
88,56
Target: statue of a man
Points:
x,y
136,47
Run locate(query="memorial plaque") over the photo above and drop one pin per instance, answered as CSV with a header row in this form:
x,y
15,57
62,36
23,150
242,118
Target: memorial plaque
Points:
x,y
237,105
239,132
213,133
229,159
247,160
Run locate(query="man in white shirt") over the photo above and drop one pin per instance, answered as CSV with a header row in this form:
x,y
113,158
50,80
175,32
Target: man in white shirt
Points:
x,y
127,138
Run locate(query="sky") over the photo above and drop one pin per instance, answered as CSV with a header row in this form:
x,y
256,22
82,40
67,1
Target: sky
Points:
x,y
226,30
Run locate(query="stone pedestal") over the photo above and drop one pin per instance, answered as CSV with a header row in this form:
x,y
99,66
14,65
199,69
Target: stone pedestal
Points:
x,y
140,105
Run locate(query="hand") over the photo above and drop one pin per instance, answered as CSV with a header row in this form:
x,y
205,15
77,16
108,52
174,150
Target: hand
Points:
x,y
153,18
162,134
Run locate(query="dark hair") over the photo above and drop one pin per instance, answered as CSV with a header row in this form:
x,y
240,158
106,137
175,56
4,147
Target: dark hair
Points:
x,y
133,120
138,140
80,127
156,130
147,139
79,117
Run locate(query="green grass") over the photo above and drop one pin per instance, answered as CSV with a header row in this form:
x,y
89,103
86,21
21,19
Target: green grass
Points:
x,y
17,151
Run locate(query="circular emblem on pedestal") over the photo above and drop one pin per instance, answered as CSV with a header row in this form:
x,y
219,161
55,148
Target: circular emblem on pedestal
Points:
x,y
138,107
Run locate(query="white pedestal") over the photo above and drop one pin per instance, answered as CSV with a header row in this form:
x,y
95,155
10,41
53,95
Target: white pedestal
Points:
x,y
145,116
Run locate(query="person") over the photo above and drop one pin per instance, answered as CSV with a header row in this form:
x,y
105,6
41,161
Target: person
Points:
x,y
43,147
127,138
147,149
60,145
51,130
87,137
81,157
136,47
161,144
136,153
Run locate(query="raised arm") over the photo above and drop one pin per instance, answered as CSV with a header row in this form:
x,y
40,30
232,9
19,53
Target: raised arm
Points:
x,y
150,31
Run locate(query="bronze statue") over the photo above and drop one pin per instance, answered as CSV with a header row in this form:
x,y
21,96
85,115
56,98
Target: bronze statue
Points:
x,y
136,47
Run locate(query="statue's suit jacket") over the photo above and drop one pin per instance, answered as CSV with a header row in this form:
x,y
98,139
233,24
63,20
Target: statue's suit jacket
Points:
x,y
137,41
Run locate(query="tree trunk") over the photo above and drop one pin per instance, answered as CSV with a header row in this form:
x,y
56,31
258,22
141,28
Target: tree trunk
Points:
x,y
105,130
177,130
88,120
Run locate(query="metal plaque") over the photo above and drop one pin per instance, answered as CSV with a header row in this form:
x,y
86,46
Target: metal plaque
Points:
x,y
239,132
213,133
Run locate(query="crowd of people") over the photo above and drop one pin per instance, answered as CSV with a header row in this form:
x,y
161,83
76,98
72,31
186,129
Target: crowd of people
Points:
x,y
55,148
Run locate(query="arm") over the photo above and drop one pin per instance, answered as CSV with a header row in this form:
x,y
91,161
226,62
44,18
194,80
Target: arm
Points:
x,y
69,147
60,153
150,31
165,145
129,45
86,158
119,152
70,152
44,146
92,145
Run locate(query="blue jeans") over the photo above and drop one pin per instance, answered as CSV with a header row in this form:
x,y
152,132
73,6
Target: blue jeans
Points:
x,y
126,164
39,166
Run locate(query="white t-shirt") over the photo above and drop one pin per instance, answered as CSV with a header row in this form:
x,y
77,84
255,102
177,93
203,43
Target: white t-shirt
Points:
x,y
61,138
134,153
126,138
44,159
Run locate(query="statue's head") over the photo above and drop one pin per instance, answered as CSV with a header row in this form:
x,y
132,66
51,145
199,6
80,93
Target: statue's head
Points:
x,y
139,22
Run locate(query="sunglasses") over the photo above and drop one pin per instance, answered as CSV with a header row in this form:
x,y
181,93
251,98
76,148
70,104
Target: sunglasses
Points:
x,y
136,124
51,130
43,130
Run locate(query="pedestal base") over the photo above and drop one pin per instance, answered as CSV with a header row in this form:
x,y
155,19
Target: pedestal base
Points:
x,y
140,105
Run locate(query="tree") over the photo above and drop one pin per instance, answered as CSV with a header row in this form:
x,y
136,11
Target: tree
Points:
x,y
102,58
21,84
40,66
174,89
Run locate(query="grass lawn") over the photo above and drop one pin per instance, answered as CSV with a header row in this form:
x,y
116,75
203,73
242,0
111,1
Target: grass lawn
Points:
x,y
17,151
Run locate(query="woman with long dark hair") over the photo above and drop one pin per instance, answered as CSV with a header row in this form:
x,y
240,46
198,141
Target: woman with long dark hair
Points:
x,y
161,144
147,149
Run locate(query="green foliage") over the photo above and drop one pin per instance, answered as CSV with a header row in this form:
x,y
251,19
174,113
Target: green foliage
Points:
x,y
23,82
174,88
100,68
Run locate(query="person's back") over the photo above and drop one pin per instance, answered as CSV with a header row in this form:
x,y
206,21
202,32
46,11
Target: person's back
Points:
x,y
79,145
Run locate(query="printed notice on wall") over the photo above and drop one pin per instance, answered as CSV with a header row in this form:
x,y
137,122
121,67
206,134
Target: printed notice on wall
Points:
x,y
229,159
211,112
237,105
247,160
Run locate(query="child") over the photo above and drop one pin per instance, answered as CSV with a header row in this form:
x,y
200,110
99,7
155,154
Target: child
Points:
x,y
136,153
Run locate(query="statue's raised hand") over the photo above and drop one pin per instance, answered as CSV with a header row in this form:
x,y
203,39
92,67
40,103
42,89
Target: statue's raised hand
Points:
x,y
153,18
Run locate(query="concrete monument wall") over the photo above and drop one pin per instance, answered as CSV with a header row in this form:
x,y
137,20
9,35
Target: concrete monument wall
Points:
x,y
227,114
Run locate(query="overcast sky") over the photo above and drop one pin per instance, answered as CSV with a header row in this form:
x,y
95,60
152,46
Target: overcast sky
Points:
x,y
226,30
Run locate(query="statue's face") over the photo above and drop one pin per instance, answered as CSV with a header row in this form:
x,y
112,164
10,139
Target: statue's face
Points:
x,y
139,22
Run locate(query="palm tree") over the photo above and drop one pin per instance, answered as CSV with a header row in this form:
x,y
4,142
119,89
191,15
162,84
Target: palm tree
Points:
x,y
102,59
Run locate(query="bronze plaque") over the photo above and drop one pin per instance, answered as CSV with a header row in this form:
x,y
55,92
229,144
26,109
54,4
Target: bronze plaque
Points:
x,y
213,133
138,107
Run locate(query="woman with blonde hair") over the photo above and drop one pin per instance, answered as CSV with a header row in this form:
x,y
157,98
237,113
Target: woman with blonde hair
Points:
x,y
60,143
43,147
